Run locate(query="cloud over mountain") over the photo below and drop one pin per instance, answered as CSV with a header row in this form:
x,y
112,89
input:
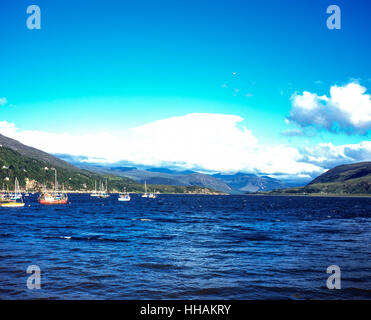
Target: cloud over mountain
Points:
x,y
210,142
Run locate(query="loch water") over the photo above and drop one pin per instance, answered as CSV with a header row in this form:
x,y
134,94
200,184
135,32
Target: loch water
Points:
x,y
187,247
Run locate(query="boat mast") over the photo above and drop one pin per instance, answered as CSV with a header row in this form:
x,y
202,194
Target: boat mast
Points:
x,y
15,188
55,181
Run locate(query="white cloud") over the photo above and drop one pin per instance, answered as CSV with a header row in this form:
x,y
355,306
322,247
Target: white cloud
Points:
x,y
328,156
211,141
198,140
347,109
7,129
215,142
3,101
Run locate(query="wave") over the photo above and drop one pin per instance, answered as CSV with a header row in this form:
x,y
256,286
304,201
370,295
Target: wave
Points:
x,y
87,238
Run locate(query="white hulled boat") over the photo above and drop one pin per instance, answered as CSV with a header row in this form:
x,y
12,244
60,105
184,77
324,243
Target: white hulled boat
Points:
x,y
102,193
145,194
125,196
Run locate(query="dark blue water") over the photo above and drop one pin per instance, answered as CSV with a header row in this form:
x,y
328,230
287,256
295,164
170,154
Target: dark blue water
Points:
x,y
187,247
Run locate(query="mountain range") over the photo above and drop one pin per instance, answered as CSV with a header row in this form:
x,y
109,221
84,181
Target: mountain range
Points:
x,y
33,165
35,169
238,183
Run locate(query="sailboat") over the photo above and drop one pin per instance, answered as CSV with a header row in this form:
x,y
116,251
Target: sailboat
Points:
x,y
148,195
95,193
145,194
152,195
125,196
12,202
102,193
4,195
53,197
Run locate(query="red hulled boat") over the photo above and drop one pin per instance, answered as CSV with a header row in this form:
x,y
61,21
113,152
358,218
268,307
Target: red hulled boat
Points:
x,y
53,197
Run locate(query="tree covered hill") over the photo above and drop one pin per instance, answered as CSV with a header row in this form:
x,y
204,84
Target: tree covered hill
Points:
x,y
33,153
34,173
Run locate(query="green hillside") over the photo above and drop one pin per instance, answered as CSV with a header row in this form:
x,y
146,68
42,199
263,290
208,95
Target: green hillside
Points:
x,y
33,152
345,173
34,173
345,179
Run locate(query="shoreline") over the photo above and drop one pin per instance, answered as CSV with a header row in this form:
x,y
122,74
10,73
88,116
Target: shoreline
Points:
x,y
89,192
329,195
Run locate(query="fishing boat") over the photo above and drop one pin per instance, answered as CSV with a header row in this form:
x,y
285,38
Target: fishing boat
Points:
x,y
125,196
55,196
12,199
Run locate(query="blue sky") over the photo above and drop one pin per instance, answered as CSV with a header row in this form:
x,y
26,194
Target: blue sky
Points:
x,y
114,65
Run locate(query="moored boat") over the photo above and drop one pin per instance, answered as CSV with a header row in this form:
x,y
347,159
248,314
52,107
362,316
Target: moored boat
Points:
x,y
102,193
10,200
95,193
153,195
53,197
125,196
12,204
145,194
4,195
